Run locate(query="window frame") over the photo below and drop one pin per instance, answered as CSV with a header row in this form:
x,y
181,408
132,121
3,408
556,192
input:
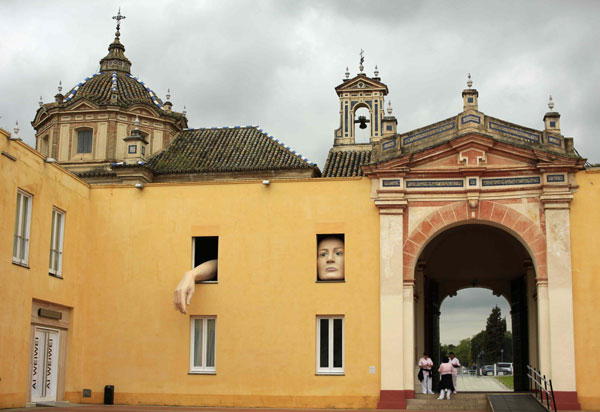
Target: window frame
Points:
x,y
91,131
195,263
57,248
330,370
202,369
22,234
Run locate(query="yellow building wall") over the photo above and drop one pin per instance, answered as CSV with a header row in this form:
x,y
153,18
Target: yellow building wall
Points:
x,y
585,229
50,186
266,300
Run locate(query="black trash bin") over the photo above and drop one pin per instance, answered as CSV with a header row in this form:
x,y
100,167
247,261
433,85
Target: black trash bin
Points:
x,y
109,395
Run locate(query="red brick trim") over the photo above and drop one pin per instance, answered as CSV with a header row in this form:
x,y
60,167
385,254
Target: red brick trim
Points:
x,y
526,230
566,400
390,399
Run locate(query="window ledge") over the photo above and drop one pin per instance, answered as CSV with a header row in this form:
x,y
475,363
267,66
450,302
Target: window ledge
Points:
x,y
55,276
23,265
207,281
202,372
331,281
330,374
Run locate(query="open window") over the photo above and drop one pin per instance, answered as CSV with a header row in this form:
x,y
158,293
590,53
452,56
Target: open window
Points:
x,y
330,257
205,248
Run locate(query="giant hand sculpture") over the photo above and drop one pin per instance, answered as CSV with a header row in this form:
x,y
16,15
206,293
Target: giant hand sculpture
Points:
x,y
185,289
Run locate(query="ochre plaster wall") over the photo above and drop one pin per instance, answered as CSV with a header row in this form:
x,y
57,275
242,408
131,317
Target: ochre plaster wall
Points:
x,y
266,300
585,229
50,186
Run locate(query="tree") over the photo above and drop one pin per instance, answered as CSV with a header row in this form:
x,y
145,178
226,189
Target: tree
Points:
x,y
463,352
494,335
477,348
508,347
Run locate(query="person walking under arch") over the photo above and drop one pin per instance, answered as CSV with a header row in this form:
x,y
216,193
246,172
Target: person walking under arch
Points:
x,y
446,385
426,365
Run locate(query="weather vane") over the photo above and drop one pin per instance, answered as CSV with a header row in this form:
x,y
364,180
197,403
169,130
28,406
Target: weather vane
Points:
x,y
118,18
362,60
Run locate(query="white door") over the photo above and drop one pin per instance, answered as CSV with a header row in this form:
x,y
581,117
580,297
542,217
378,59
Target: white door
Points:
x,y
44,365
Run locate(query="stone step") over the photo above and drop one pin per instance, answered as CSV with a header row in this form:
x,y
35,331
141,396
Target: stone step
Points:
x,y
460,395
431,403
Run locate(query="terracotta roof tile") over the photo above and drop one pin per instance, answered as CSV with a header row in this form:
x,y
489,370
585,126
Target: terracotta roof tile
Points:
x,y
236,149
346,163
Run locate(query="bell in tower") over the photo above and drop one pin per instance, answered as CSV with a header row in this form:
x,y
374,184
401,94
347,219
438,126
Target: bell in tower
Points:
x,y
361,107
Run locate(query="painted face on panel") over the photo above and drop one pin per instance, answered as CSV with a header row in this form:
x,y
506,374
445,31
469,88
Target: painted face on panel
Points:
x,y
330,259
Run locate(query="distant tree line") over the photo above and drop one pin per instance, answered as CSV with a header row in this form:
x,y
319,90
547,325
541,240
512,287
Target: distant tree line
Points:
x,y
486,346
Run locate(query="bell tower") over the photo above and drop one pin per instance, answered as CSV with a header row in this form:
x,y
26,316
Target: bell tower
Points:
x,y
361,106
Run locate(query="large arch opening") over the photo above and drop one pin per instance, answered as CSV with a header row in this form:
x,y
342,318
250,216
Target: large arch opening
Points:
x,y
464,258
475,325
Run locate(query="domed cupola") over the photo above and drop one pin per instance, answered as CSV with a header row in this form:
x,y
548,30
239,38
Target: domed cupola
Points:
x,y
115,59
110,117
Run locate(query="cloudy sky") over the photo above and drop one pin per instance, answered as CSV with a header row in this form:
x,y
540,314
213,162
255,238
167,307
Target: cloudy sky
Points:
x,y
465,314
276,63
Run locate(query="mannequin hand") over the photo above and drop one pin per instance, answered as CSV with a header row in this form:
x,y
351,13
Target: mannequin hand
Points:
x,y
184,292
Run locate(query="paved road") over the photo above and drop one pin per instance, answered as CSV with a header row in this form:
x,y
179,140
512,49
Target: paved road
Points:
x,y
467,383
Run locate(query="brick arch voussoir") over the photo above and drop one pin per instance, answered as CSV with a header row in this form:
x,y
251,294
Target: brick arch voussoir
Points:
x,y
530,234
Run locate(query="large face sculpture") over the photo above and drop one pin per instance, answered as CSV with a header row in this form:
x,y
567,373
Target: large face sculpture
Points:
x,y
330,259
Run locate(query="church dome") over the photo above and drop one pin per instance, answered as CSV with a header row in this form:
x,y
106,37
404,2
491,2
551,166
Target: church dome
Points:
x,y
115,85
114,88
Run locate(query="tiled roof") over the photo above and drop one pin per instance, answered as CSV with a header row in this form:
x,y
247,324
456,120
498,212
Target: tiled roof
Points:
x,y
346,163
227,149
99,87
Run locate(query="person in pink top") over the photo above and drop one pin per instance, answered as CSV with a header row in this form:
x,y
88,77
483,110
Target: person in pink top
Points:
x,y
446,385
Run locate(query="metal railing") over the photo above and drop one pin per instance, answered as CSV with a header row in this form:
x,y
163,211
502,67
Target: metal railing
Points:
x,y
541,388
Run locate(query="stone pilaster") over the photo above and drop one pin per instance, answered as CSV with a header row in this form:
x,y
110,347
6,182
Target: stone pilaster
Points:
x,y
391,240
543,324
560,300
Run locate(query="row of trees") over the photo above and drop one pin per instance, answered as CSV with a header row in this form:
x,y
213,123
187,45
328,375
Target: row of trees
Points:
x,y
494,344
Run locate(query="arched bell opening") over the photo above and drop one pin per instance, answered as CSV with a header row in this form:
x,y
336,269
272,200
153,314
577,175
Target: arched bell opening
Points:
x,y
362,124
476,255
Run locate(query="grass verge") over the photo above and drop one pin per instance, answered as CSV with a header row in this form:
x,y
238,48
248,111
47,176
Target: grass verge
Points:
x,y
506,381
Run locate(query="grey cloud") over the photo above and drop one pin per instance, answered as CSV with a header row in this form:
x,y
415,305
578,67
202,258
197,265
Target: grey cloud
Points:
x,y
275,63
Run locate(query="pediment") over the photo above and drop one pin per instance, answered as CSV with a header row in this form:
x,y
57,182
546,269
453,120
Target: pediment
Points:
x,y
143,110
471,157
468,152
361,82
83,105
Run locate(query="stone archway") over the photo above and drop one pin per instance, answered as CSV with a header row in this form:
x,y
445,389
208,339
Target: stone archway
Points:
x,y
476,254
525,230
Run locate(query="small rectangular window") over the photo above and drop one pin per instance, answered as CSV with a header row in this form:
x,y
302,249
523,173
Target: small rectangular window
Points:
x,y
203,344
470,99
132,149
22,228
56,242
330,345
84,141
389,127
206,248
552,124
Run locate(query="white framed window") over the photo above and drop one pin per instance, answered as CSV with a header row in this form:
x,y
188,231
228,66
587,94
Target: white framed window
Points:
x,y
22,228
330,345
56,242
203,344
